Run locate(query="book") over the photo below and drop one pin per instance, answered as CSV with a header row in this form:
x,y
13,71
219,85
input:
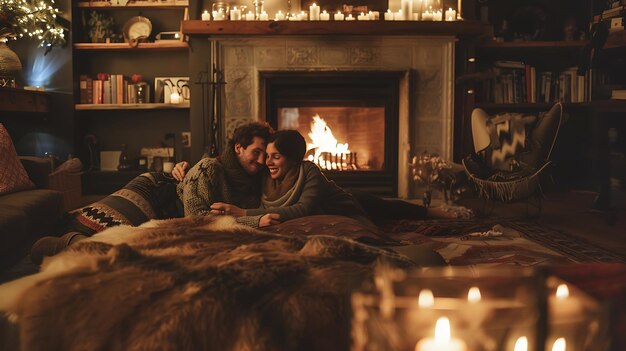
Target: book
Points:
x,y
86,89
618,94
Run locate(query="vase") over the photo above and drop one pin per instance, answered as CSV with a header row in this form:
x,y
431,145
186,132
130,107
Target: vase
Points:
x,y
426,197
10,65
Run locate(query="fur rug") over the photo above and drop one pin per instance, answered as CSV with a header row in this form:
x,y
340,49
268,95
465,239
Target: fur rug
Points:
x,y
196,283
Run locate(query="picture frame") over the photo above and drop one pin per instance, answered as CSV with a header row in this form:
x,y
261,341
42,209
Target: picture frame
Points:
x,y
165,86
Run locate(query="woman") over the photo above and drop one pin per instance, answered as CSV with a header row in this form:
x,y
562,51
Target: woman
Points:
x,y
293,188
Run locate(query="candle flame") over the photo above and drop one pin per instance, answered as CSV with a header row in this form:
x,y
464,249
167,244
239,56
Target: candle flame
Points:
x,y
442,331
426,299
562,292
559,345
473,295
521,344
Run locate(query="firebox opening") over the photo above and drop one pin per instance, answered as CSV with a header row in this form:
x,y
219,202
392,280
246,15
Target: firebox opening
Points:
x,y
339,138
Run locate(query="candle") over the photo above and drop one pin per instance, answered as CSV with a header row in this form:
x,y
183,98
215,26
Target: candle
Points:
x,y
280,16
263,16
314,12
437,16
426,299
473,295
416,16
388,15
363,17
442,340
235,14
559,345
338,16
206,16
398,16
521,344
427,16
406,7
249,16
459,8
324,16
350,18
374,15
174,98
563,307
450,15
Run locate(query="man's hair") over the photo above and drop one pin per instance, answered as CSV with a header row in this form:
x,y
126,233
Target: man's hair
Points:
x,y
290,143
244,134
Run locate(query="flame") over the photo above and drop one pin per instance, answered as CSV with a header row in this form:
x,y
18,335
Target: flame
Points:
x,y
521,344
323,140
442,331
559,345
426,299
562,292
473,295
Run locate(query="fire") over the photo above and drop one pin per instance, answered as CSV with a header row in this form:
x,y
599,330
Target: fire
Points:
x,y
328,153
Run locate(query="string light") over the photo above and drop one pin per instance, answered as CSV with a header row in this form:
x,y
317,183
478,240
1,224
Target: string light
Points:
x,y
22,18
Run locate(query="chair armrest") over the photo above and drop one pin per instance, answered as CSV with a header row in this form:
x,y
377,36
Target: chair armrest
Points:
x,y
38,169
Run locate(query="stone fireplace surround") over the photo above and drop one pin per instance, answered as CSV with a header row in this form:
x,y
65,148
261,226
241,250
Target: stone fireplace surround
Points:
x,y
426,91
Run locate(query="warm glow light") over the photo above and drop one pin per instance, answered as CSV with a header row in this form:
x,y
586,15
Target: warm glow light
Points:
x,y
426,299
559,345
562,291
442,331
323,140
521,344
473,295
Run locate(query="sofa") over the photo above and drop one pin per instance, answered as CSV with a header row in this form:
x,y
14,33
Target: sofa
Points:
x,y
27,215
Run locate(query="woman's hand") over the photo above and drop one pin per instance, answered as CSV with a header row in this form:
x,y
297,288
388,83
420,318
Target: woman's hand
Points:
x,y
269,219
220,208
179,170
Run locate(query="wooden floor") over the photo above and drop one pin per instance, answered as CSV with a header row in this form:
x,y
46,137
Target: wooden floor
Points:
x,y
572,213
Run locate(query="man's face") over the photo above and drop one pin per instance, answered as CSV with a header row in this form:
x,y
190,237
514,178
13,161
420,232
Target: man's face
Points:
x,y
251,158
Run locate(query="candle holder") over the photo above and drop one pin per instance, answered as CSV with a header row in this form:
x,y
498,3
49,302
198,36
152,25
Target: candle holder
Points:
x,y
258,8
462,308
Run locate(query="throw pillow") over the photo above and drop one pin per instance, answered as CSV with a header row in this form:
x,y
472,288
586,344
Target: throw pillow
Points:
x,y
13,176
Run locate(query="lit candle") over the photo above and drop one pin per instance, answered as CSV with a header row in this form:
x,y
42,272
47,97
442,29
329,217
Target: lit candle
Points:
x,y
263,16
473,295
350,18
235,14
450,15
302,16
324,16
442,340
175,98
398,16
426,299
338,16
559,345
521,344
562,306
206,16
314,12
249,16
437,16
363,17
407,9
280,16
388,15
427,16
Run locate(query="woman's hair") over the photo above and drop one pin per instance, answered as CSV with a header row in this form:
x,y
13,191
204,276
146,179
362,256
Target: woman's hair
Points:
x,y
290,143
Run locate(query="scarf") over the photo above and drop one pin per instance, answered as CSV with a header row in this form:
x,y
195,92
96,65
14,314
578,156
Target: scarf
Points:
x,y
283,192
245,188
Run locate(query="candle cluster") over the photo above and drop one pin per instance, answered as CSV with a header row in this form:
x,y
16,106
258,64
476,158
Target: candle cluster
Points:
x,y
411,10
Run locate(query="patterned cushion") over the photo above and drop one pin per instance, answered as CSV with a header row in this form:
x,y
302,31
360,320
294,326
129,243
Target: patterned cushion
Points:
x,y
13,176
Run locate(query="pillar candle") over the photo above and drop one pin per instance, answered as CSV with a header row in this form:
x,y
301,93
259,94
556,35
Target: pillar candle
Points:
x,y
206,16
235,14
263,16
324,16
303,16
350,18
450,15
314,12
175,98
398,16
338,16
427,16
407,9
363,17
437,16
280,16
388,15
249,16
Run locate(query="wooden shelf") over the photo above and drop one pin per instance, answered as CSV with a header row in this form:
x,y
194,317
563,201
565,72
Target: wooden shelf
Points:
x,y
20,100
531,106
403,28
162,45
150,106
533,44
105,5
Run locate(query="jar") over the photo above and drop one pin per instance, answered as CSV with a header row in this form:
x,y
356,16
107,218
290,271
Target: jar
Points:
x,y
221,7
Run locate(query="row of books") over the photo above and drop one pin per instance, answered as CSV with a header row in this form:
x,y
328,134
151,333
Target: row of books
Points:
x,y
111,89
517,82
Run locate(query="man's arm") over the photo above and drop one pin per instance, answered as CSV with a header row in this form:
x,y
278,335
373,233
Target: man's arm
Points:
x,y
201,187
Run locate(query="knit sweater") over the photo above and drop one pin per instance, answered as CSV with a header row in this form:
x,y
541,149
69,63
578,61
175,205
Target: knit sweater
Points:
x,y
313,194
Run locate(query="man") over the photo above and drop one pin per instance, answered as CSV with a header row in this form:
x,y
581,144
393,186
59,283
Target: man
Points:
x,y
233,177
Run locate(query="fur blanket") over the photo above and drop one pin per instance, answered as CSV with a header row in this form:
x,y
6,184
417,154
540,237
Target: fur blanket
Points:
x,y
196,283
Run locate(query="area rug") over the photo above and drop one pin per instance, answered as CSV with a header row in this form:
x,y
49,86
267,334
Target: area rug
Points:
x,y
521,243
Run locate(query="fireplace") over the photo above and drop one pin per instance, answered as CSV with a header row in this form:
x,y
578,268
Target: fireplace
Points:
x,y
349,120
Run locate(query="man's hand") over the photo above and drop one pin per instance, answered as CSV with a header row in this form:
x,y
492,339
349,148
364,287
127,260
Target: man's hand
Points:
x,y
179,170
220,208
269,219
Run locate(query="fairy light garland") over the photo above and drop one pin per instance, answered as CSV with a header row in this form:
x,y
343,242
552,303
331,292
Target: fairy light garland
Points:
x,y
32,19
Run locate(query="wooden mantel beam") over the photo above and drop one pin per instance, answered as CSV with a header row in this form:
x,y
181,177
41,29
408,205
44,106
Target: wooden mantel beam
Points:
x,y
400,28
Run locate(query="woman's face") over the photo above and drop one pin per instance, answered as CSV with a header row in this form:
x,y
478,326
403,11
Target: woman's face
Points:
x,y
276,162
